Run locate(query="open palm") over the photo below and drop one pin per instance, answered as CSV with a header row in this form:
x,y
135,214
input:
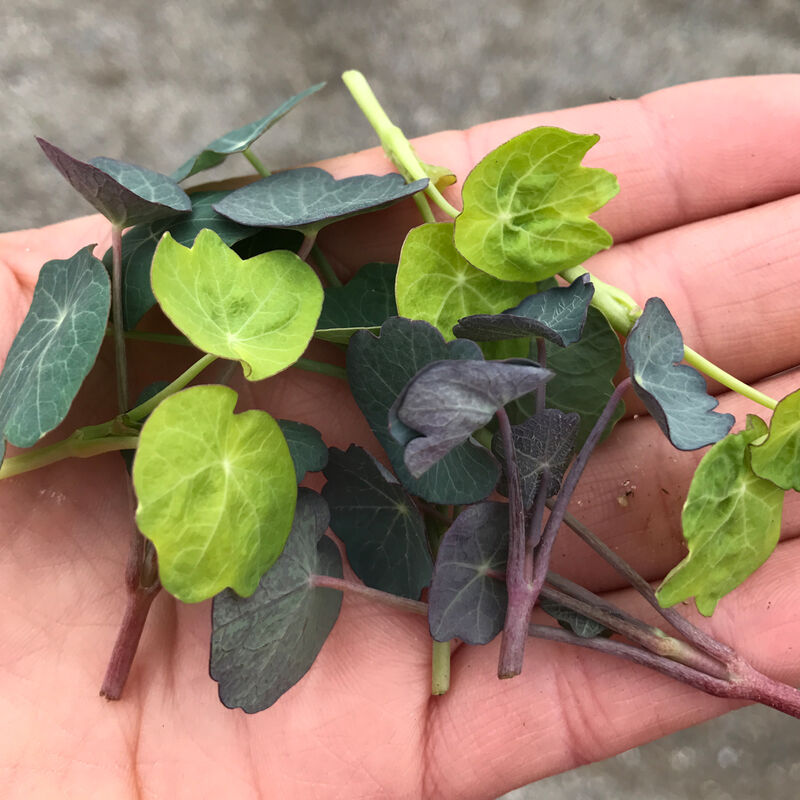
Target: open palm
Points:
x,y
706,219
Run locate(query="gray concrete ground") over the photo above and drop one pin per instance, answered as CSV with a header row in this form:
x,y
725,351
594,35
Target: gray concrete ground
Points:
x,y
149,82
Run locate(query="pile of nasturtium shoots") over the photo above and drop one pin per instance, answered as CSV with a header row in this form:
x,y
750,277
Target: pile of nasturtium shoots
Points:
x,y
483,363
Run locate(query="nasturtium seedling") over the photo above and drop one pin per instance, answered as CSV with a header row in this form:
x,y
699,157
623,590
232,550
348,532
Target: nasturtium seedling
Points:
x,y
261,311
527,206
437,284
731,523
55,348
216,492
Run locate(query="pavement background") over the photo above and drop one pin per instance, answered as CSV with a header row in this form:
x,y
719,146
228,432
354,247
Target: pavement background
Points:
x,y
151,82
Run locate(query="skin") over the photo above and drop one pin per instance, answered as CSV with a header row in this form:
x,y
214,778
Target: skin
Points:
x,y
707,219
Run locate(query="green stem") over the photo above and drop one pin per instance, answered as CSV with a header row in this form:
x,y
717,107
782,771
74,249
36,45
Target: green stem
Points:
x,y
395,144
306,245
163,338
116,315
140,412
256,162
73,447
424,208
324,266
440,668
321,367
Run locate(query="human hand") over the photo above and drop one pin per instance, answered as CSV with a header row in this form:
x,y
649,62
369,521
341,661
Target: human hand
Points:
x,y
705,219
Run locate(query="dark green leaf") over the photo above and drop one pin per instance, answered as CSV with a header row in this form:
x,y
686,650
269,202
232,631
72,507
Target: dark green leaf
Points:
x,y
367,300
237,140
123,193
778,458
55,347
267,240
557,315
544,441
465,600
379,524
310,198
447,401
309,453
581,626
378,369
674,394
262,645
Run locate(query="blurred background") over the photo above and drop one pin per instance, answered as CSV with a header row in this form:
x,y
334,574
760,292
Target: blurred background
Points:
x,y
152,82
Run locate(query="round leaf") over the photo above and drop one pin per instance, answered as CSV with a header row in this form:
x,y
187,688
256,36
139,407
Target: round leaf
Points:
x,y
216,492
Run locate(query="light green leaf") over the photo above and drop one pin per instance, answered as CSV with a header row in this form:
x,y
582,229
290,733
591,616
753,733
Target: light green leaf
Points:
x,y
778,458
261,311
526,206
55,348
216,492
437,284
731,523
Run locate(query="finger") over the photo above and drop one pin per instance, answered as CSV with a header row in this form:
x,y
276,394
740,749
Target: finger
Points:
x,y
571,706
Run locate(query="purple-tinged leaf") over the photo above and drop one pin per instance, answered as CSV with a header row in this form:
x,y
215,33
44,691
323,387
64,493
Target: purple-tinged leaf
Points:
x,y
557,315
466,600
123,193
573,621
447,401
674,394
262,645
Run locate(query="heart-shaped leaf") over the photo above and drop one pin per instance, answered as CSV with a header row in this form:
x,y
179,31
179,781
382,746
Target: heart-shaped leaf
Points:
x,y
123,193
309,453
310,198
778,458
467,600
674,393
262,311
263,645
527,205
139,245
447,401
237,140
55,347
557,315
437,284
572,621
378,369
731,523
379,524
216,492
544,441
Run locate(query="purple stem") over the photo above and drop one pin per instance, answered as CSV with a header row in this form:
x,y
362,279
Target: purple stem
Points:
x,y
393,600
306,245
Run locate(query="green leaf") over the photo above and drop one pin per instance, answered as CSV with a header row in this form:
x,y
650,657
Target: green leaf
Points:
x,y
266,240
139,245
572,621
378,369
379,524
778,458
55,348
263,645
365,301
237,140
465,601
731,523
123,193
437,284
261,311
557,315
216,492
309,453
310,198
674,394
526,206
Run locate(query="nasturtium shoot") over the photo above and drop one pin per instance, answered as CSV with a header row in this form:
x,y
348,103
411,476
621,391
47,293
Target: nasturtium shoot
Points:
x,y
468,598
237,140
447,401
674,394
261,311
777,458
216,492
124,194
262,645
381,528
378,369
527,206
437,284
731,523
557,315
309,198
55,348
309,453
